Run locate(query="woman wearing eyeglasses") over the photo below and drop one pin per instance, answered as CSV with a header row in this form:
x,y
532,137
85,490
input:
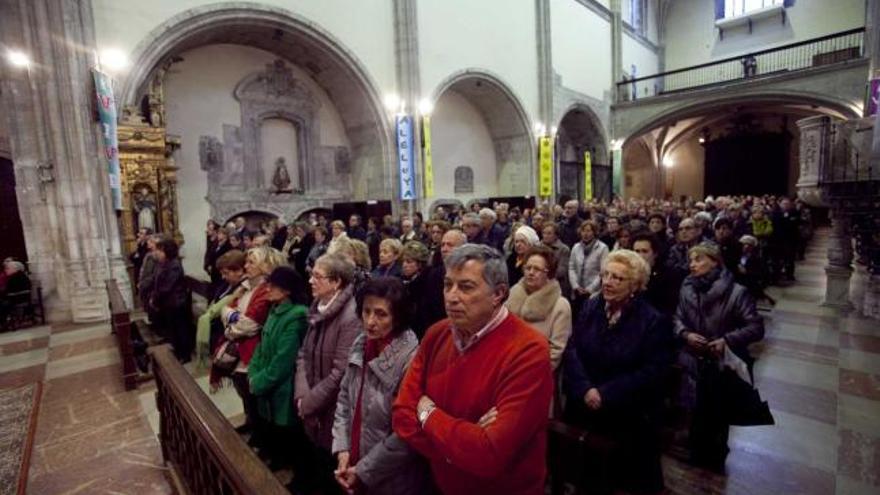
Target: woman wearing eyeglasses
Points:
x,y
537,299
613,371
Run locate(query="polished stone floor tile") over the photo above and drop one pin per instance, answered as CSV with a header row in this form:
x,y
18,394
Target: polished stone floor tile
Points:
x,y
801,332
62,351
771,347
24,334
859,457
23,345
864,343
858,414
801,400
868,362
22,376
794,438
858,383
861,326
82,362
80,335
848,486
798,372
24,359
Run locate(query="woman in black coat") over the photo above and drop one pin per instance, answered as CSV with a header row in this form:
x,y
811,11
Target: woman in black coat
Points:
x,y
713,313
168,300
613,371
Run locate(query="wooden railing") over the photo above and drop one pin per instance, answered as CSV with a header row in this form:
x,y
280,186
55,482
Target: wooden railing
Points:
x,y
120,322
198,443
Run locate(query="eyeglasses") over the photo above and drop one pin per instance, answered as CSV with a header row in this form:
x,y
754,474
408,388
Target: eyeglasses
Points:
x,y
318,276
613,277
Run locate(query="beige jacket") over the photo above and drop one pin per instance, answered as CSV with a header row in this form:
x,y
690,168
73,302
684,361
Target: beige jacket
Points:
x,y
547,312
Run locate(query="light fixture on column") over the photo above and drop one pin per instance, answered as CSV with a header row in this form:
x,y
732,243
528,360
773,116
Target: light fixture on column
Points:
x,y
540,128
668,162
392,102
425,106
113,59
18,59
704,135
616,144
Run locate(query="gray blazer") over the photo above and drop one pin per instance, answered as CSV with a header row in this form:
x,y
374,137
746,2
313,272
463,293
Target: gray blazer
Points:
x,y
387,464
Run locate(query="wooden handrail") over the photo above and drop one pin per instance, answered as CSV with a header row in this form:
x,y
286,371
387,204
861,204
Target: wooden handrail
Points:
x,y
198,442
120,323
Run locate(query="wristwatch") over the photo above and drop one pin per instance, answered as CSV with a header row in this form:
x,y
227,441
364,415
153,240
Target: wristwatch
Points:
x,y
424,413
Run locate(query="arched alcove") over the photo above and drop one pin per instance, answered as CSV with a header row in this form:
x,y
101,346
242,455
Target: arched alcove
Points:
x,y
479,122
580,131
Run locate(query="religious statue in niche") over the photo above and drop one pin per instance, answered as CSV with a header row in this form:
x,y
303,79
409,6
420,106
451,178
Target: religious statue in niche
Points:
x,y
281,178
464,180
144,208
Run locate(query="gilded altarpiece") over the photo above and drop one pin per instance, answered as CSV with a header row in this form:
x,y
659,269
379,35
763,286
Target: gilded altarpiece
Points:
x,y
149,181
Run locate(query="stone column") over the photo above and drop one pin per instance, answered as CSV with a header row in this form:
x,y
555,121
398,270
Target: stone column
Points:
x,y
62,186
839,269
543,35
616,46
408,71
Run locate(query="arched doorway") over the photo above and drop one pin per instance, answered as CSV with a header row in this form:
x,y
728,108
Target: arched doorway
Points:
x,y
482,140
290,121
744,145
579,132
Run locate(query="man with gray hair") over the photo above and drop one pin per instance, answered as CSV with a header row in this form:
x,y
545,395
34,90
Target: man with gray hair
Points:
x,y
434,283
475,398
492,232
472,226
569,224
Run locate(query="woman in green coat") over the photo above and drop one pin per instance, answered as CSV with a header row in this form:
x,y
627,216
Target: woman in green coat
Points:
x,y
271,369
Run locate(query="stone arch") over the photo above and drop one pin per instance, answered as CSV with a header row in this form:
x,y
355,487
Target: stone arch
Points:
x,y
839,107
296,39
579,130
594,121
508,124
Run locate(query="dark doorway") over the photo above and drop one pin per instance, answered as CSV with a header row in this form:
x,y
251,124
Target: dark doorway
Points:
x,y
571,181
11,231
753,164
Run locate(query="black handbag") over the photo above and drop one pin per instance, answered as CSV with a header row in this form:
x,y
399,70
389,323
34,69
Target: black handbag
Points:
x,y
742,404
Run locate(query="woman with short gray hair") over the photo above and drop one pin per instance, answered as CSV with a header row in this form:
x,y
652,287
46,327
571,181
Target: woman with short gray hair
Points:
x,y
321,363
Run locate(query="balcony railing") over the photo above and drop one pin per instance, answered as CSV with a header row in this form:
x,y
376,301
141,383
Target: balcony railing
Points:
x,y
833,48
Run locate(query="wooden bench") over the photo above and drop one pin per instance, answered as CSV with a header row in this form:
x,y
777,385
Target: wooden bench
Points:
x,y
204,453
120,322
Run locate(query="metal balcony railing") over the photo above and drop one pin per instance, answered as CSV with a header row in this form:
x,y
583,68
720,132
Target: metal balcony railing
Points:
x,y
830,49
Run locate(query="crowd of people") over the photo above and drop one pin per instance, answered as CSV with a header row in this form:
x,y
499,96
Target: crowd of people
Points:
x,y
15,289
406,356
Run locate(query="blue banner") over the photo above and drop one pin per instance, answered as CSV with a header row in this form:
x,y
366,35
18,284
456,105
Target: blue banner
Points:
x,y
405,157
107,114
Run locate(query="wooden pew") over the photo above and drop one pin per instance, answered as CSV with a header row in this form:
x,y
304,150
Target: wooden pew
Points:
x,y
120,322
205,454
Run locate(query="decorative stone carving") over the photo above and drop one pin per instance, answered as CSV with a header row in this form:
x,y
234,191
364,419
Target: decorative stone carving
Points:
x,y
464,180
813,155
839,269
281,178
210,153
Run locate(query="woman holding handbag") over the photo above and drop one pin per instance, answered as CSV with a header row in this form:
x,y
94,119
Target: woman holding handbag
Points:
x,y
713,314
243,320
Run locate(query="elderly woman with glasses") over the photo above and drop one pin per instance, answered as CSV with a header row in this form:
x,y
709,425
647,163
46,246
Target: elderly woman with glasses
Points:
x,y
613,370
537,299
323,357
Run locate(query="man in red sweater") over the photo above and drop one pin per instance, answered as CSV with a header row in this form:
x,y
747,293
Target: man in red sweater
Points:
x,y
476,396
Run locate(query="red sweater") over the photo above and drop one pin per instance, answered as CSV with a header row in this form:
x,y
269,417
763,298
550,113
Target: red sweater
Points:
x,y
508,369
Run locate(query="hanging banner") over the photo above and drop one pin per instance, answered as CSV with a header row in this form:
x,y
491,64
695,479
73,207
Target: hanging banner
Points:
x,y
405,157
428,160
617,173
545,167
873,97
588,176
107,115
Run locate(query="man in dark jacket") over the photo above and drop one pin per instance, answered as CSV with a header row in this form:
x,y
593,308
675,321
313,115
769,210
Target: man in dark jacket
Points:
x,y
435,309
355,229
731,250
662,291
786,236
570,224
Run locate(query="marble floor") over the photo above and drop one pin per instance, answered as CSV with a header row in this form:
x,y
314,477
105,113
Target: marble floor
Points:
x,y
819,371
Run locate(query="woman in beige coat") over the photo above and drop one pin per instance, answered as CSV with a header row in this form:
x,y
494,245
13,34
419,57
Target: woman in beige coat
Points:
x,y
537,299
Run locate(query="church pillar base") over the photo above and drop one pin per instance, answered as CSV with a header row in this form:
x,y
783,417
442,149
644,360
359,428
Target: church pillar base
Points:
x,y
872,297
837,288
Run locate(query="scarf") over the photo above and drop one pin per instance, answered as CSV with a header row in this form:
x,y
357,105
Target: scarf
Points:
x,y
704,282
372,349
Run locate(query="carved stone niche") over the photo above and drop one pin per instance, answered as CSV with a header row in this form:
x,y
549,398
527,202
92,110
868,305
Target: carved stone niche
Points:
x,y
813,156
276,94
464,180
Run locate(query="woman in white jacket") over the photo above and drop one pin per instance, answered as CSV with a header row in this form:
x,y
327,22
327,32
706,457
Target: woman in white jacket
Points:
x,y
585,264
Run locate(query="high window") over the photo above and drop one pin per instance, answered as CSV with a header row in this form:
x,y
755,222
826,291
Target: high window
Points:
x,y
736,8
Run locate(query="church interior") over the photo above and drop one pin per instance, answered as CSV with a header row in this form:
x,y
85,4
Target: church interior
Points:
x,y
167,135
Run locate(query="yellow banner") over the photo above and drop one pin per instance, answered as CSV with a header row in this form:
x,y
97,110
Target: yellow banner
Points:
x,y
545,167
588,176
428,160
